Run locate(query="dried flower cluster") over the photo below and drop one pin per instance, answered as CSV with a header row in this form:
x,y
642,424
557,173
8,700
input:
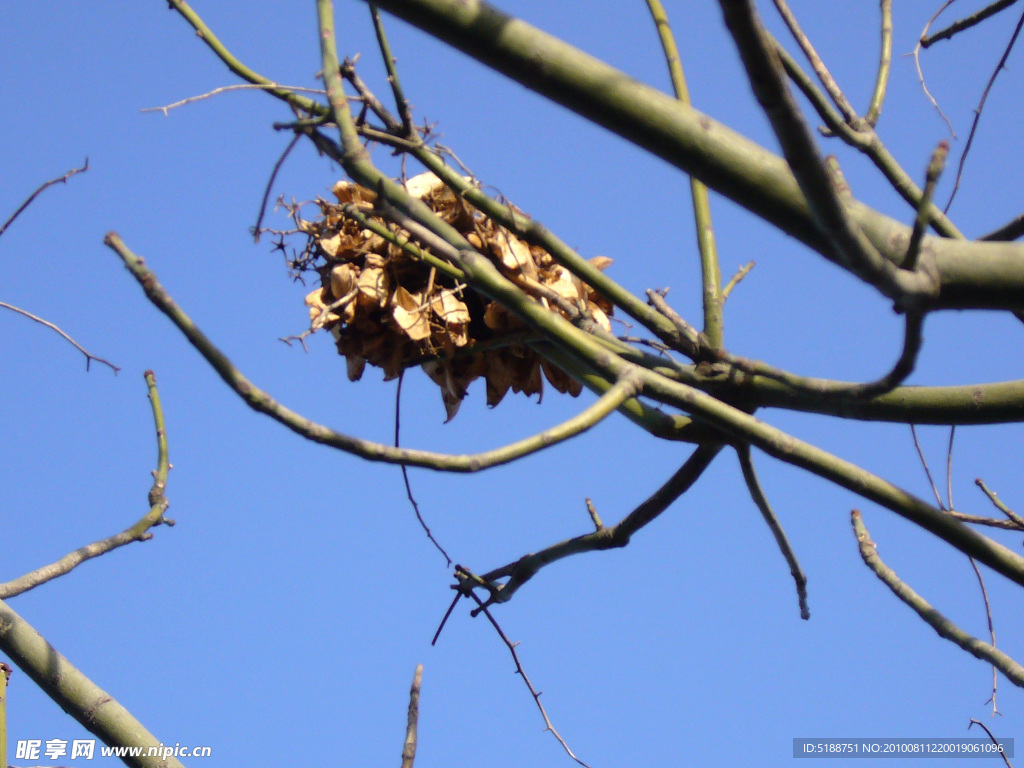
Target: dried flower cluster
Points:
x,y
390,309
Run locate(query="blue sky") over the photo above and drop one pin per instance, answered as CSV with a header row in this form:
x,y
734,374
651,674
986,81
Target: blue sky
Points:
x,y
279,622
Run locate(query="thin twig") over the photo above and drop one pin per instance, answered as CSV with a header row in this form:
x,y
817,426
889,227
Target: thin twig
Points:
x,y
735,279
139,531
236,87
829,83
949,468
945,628
711,276
89,357
761,500
409,748
992,522
401,103
39,190
522,673
995,741
981,106
916,53
405,473
991,629
257,230
927,470
998,503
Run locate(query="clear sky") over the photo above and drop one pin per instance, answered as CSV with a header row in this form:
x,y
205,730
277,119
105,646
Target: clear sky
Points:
x,y
280,620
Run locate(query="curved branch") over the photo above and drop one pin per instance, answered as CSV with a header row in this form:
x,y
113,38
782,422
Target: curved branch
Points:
x,y
525,568
39,190
259,400
138,532
758,495
945,628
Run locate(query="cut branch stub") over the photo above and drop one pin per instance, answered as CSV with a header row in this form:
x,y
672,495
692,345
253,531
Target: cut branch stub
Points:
x,y
390,305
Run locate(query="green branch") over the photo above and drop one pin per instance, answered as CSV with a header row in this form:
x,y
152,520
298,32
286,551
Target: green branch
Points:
x,y
139,531
945,628
76,694
525,568
259,400
711,276
973,275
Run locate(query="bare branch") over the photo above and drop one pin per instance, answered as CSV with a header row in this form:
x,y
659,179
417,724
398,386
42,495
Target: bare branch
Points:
x,y
526,567
526,680
711,277
409,748
833,89
853,250
390,64
261,401
991,628
39,190
943,626
236,87
1009,231
980,108
934,171
916,53
758,495
966,23
993,738
1016,519
735,279
884,64
76,694
139,531
927,469
405,473
257,229
89,357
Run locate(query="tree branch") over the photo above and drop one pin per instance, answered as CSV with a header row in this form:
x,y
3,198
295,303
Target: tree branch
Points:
x,y
973,275
943,626
94,708
261,401
89,357
526,567
137,532
711,277
409,748
39,190
852,249
758,495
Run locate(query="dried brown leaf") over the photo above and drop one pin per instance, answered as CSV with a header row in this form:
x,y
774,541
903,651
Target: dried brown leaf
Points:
x,y
409,313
